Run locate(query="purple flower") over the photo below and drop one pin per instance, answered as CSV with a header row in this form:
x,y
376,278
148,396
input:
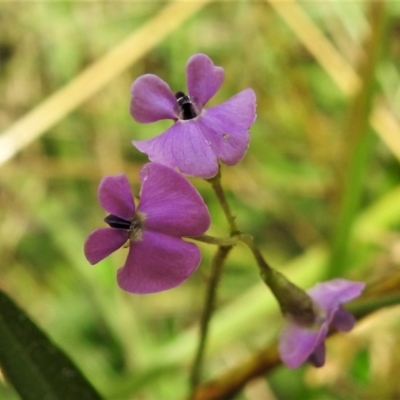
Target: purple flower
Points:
x,y
169,208
199,136
298,344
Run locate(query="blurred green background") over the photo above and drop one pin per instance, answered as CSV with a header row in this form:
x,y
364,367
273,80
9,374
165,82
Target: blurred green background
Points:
x,y
318,188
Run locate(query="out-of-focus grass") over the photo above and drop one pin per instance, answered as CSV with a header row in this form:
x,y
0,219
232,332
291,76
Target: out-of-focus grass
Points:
x,y
286,191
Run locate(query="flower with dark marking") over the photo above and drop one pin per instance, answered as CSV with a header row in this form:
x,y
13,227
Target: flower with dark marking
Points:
x,y
199,136
300,343
169,208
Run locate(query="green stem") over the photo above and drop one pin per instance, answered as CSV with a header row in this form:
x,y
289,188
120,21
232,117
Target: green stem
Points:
x,y
219,192
265,269
231,241
216,271
215,276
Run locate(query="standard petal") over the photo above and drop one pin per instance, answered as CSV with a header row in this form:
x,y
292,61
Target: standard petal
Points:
x,y
226,127
102,242
115,196
156,263
171,203
296,344
329,295
182,146
203,78
152,99
343,320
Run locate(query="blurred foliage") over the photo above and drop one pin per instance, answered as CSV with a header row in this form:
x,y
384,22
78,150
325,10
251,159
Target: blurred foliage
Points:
x,y
286,191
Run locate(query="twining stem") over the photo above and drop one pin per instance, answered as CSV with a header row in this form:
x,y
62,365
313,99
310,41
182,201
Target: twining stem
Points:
x,y
219,192
293,301
265,268
215,276
216,271
231,241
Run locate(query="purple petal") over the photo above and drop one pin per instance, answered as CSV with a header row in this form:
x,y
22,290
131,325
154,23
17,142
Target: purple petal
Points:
x,y
317,357
296,344
203,78
102,242
182,146
115,196
152,100
226,126
156,263
329,295
343,320
170,202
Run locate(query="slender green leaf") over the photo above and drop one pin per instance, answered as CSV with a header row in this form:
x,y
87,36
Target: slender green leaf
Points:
x,y
33,364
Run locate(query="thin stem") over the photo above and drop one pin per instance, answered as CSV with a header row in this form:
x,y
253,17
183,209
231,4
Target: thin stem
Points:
x,y
265,268
215,240
216,271
219,192
215,276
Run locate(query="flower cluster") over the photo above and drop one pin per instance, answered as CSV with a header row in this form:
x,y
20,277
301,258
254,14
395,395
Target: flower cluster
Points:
x,y
170,209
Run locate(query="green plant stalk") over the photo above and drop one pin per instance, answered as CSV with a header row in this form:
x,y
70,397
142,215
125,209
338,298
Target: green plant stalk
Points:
x,y
221,197
215,240
361,139
215,276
